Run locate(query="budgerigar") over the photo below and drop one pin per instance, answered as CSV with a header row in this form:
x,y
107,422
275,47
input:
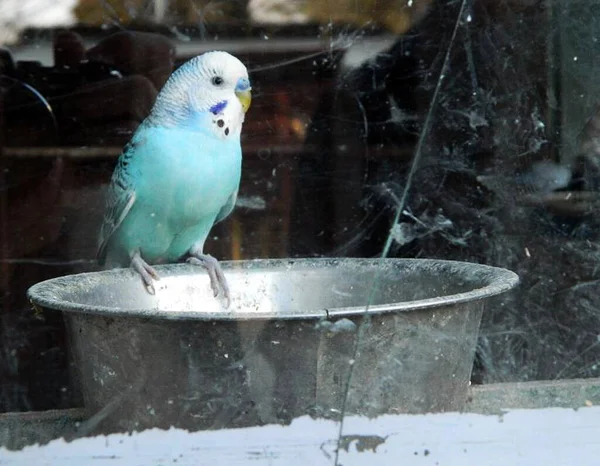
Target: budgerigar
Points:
x,y
180,173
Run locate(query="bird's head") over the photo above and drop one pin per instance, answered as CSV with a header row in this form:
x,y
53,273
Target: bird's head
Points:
x,y
210,89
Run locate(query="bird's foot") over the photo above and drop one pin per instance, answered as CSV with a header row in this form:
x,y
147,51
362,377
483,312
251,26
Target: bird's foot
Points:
x,y
215,273
146,271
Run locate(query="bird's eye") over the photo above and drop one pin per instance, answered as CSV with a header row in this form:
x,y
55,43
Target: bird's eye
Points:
x,y
217,80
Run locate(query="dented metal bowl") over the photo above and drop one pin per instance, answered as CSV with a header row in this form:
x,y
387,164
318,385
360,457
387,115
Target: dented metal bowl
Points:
x,y
282,349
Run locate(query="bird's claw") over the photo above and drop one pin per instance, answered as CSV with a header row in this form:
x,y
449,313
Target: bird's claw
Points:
x,y
150,288
212,274
218,283
146,271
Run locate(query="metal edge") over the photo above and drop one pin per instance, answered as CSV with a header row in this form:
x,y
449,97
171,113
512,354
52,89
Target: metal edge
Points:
x,y
504,280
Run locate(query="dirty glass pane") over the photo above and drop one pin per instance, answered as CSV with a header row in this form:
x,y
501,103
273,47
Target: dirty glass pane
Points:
x,y
383,140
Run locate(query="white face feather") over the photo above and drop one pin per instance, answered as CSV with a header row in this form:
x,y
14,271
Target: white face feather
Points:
x,y
202,93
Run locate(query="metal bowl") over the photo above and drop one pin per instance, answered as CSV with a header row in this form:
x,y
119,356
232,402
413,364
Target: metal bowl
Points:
x,y
282,349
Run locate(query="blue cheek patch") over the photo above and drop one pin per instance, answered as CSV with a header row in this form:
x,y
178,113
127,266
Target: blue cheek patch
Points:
x,y
218,108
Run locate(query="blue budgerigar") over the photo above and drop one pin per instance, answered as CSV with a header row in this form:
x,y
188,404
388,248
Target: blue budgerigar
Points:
x,y
180,173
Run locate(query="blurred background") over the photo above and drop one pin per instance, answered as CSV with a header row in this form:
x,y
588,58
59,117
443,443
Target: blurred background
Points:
x,y
477,118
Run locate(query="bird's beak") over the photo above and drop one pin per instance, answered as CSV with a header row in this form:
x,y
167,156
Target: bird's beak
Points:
x,y
245,98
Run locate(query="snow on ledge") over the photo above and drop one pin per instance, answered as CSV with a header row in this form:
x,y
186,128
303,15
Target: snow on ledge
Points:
x,y
551,436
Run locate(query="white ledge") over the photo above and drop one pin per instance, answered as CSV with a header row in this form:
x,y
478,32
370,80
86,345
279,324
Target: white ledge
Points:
x,y
549,436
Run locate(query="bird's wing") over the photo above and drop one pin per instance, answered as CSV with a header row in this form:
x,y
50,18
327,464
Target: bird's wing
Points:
x,y
228,207
120,198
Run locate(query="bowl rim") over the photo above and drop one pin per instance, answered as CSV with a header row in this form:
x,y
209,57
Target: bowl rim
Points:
x,y
500,280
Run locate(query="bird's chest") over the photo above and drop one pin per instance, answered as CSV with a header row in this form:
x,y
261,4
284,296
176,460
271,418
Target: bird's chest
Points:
x,y
194,186
201,193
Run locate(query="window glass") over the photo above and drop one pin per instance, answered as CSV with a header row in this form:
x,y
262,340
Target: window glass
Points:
x,y
421,130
